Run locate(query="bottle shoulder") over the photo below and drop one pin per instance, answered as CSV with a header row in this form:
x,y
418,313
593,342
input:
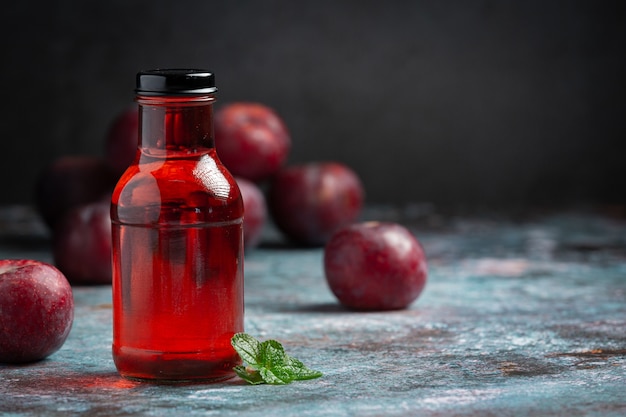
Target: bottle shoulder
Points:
x,y
190,189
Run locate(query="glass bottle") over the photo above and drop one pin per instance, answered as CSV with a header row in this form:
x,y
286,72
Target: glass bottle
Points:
x,y
177,217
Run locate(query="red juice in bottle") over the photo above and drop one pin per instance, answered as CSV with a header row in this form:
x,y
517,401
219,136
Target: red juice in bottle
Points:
x,y
177,240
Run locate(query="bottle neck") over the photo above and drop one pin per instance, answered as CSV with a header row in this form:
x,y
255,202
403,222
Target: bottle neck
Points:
x,y
171,124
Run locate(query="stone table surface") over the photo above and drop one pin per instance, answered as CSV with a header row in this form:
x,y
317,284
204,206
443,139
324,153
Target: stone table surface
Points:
x,y
519,317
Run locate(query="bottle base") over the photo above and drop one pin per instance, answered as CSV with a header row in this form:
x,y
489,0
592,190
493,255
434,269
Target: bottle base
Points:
x,y
175,368
159,381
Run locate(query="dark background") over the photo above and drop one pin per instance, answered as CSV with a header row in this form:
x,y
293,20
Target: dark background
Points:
x,y
458,103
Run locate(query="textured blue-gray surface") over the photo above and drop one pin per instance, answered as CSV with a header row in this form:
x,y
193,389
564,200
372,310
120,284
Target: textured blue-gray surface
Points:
x,y
517,318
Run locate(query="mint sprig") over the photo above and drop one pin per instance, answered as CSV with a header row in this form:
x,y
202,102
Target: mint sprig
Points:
x,y
267,362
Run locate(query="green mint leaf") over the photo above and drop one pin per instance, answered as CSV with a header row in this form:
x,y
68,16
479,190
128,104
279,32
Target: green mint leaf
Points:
x,y
268,362
250,375
276,376
247,347
273,361
300,371
271,354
